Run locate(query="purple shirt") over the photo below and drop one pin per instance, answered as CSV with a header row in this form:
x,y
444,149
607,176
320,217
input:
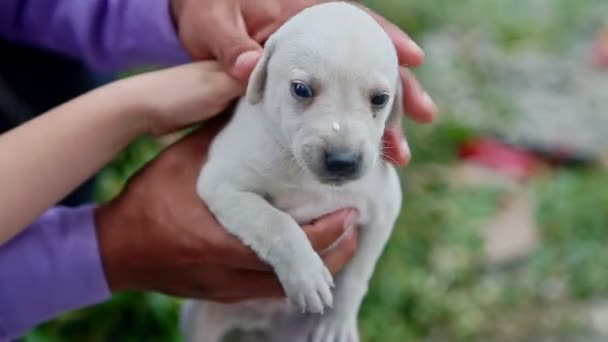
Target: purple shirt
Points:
x,y
107,34
54,265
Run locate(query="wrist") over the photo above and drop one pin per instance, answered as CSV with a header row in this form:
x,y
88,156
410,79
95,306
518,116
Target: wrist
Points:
x,y
137,98
112,234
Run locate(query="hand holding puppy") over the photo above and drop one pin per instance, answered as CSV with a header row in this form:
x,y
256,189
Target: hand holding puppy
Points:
x,y
233,31
158,235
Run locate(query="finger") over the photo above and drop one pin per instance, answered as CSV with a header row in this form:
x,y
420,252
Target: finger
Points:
x,y
395,149
209,88
231,43
417,102
408,52
327,230
253,284
337,257
220,85
244,64
322,234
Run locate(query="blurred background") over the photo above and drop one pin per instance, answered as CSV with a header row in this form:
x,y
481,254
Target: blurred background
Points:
x,y
503,234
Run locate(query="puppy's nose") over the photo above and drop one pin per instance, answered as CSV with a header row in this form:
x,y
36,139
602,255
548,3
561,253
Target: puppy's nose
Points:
x,y
342,162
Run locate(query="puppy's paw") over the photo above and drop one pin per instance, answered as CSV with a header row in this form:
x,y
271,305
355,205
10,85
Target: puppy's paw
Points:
x,y
334,328
308,284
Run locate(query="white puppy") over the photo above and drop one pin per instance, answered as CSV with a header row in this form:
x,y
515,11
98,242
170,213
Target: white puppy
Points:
x,y
307,141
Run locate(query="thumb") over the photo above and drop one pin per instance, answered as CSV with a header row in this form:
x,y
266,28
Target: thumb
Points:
x,y
244,64
235,49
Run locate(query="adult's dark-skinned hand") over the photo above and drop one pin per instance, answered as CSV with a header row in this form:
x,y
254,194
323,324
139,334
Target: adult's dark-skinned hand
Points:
x,y
158,235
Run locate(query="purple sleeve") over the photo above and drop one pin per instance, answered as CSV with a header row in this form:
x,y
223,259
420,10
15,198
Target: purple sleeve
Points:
x,y
51,267
107,34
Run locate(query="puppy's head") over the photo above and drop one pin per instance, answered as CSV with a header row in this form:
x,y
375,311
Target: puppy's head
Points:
x,y
329,80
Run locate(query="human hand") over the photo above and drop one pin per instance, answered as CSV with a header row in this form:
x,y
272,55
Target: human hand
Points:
x,y
233,31
173,98
158,235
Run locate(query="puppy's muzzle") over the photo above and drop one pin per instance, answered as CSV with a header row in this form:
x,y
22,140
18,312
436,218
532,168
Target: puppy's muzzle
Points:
x,y
342,164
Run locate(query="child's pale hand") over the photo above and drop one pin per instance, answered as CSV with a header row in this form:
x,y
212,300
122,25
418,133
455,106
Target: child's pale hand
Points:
x,y
174,98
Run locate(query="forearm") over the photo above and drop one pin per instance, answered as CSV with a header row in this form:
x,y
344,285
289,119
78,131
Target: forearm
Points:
x,y
46,158
52,267
107,34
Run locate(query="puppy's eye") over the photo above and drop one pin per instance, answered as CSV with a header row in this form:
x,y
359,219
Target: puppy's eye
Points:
x,y
301,90
379,100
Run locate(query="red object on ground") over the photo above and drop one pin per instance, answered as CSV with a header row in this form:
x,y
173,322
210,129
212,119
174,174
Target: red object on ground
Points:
x,y
599,50
511,161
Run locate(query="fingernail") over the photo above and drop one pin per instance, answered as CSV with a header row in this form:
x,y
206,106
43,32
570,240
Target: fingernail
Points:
x,y
246,58
351,220
244,65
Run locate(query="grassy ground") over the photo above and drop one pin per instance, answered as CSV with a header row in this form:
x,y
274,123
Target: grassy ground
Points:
x,y
434,282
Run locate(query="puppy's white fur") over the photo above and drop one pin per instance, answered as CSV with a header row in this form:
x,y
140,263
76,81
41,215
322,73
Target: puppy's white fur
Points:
x,y
264,177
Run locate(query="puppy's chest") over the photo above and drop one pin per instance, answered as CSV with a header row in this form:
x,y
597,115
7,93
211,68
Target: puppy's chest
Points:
x,y
307,203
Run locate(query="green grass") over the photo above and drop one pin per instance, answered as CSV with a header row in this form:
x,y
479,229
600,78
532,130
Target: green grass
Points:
x,y
432,282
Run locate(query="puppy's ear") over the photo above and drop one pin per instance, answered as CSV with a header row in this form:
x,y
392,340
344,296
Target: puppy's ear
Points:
x,y
257,81
396,114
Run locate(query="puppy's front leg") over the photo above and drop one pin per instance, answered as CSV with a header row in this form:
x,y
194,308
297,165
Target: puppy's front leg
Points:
x,y
278,240
340,323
